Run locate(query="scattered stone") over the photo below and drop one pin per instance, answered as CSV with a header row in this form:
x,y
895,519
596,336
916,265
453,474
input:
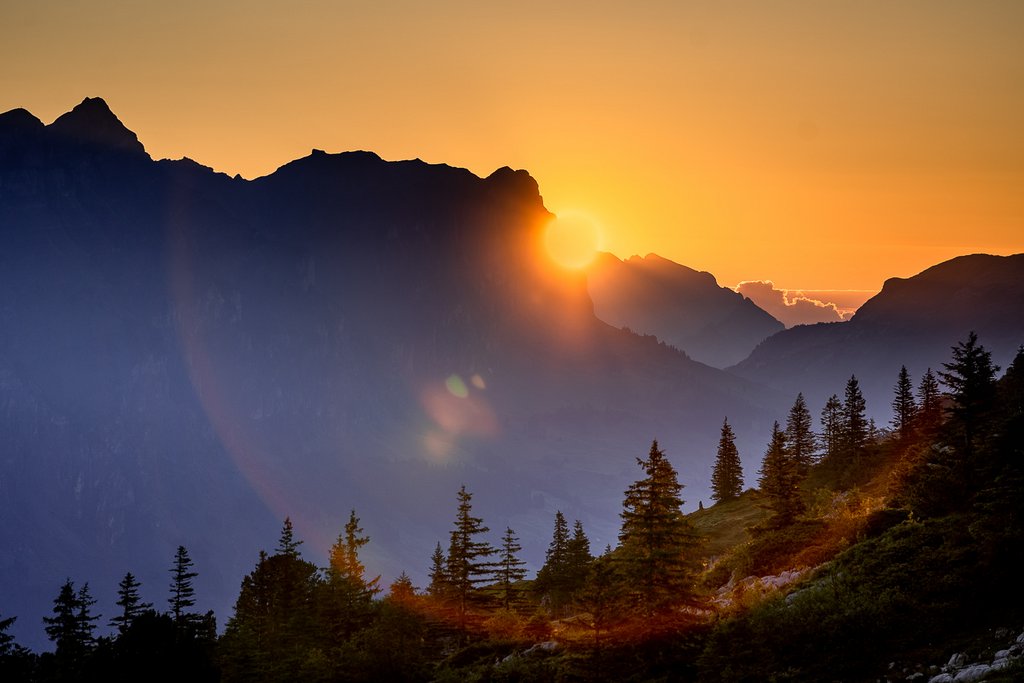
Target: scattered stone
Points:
x,y
1020,639
956,661
941,678
1002,633
972,673
915,677
1002,654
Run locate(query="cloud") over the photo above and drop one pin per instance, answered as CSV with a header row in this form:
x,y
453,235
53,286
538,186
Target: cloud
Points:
x,y
790,307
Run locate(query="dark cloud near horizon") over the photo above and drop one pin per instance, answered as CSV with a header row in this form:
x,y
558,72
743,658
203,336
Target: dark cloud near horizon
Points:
x,y
790,307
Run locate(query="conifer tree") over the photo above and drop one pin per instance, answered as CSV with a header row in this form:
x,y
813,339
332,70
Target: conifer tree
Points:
x,y
904,408
401,589
551,579
970,377
71,626
832,428
800,436
439,583
779,480
854,428
602,596
287,545
511,569
130,603
469,563
182,593
578,559
6,639
929,405
344,557
727,475
658,545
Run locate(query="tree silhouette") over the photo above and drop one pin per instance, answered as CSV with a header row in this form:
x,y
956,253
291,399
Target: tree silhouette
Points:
x,y
970,377
468,564
929,405
287,545
800,436
832,428
182,593
511,569
727,474
657,543
130,603
904,409
854,430
779,480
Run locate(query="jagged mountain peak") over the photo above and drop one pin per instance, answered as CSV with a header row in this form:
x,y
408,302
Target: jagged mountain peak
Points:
x,y
92,122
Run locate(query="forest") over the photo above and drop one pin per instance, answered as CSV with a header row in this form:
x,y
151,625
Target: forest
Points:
x,y
865,552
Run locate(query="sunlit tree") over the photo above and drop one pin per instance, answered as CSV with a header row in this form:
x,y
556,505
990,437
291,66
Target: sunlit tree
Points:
x,y
657,544
779,480
511,570
469,561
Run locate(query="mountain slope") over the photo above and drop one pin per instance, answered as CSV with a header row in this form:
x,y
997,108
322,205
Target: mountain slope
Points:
x,y
679,305
912,321
186,358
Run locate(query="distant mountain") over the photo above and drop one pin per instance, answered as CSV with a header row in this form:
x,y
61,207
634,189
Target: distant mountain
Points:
x,y
186,358
912,321
681,306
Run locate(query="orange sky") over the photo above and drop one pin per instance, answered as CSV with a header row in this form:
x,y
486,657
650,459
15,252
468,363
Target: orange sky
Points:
x,y
822,145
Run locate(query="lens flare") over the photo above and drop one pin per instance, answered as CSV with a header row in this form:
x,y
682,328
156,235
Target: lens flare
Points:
x,y
572,239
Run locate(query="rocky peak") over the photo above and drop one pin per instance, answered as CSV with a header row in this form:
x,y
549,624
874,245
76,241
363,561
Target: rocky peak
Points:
x,y
92,123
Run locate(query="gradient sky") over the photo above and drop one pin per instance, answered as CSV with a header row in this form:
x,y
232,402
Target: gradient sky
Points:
x,y
822,145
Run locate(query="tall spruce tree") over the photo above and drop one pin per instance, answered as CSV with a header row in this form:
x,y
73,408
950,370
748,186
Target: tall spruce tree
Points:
x,y
130,603
657,543
929,405
511,570
727,475
469,563
287,545
779,480
439,583
344,557
970,378
578,559
71,626
904,409
800,437
854,430
551,579
832,428
182,595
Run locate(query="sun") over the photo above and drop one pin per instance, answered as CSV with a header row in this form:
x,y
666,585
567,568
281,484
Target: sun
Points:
x,y
572,239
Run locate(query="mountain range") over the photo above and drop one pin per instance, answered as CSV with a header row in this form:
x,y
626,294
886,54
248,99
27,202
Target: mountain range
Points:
x,y
187,358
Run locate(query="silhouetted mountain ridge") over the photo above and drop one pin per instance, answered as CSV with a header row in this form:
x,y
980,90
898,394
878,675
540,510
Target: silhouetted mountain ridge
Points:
x,y
186,358
682,306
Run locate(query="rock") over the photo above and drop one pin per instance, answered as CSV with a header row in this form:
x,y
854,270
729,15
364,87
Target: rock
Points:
x,y
1002,633
919,676
1020,639
956,661
1002,654
941,678
972,673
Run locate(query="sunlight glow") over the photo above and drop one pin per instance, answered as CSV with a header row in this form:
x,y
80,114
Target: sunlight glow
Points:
x,y
572,239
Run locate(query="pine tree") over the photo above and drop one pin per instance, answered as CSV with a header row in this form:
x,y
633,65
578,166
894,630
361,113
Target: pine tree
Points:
x,y
344,556
970,377
287,545
904,408
511,569
551,579
658,545
7,645
468,563
779,480
727,475
85,617
439,584
401,590
578,559
929,405
602,597
854,428
182,593
71,626
130,603
800,436
832,428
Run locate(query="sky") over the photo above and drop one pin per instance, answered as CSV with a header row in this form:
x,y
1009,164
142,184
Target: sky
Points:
x,y
819,145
